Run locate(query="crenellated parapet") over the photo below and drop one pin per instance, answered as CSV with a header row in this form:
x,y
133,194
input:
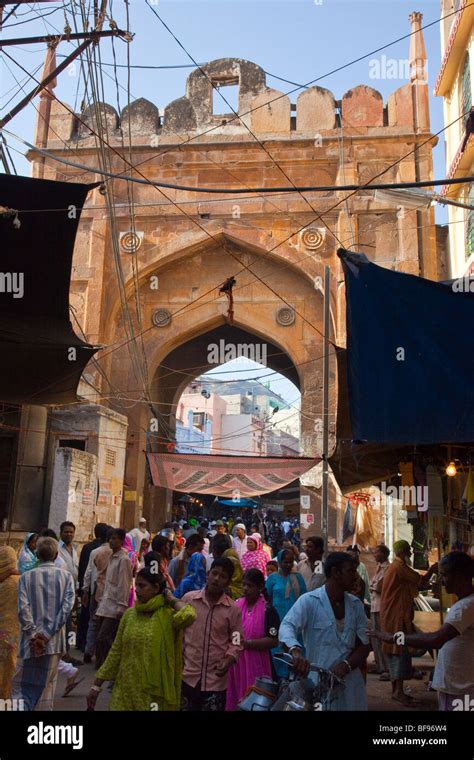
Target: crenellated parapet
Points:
x,y
265,111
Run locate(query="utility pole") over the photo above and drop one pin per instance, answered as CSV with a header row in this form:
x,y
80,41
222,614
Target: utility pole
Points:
x,y
325,452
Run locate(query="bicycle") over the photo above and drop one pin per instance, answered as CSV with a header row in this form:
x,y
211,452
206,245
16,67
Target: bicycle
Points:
x,y
293,694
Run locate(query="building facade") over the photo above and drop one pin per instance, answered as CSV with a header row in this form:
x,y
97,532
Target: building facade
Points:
x,y
454,84
147,285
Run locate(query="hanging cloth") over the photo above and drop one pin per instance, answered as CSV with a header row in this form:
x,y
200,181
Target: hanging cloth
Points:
x,y
467,500
435,492
349,522
408,485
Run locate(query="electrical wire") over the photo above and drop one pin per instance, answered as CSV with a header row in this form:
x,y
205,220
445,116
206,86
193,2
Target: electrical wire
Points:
x,y
30,20
103,142
236,191
221,191
318,79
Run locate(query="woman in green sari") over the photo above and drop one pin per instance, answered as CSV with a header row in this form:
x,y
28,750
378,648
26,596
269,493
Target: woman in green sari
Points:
x,y
235,585
145,661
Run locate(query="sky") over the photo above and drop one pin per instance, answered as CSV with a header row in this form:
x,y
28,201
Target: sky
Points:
x,y
298,40
246,369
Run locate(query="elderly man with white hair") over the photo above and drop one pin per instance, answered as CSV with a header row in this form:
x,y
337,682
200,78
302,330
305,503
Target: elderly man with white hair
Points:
x,y
46,597
138,534
239,541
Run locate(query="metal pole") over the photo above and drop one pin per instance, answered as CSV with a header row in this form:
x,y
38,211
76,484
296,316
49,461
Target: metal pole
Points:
x,y
325,452
93,36
42,85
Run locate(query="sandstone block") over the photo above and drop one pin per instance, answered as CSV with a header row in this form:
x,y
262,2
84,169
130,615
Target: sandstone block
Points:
x,y
107,122
315,110
400,107
272,114
362,107
143,117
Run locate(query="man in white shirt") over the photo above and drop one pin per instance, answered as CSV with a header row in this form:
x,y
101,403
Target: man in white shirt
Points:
x,y
114,602
381,555
68,553
362,571
68,550
89,595
311,568
239,542
138,534
453,676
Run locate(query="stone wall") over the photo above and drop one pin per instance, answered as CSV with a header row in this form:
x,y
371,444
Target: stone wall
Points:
x,y
104,433
184,246
262,109
74,490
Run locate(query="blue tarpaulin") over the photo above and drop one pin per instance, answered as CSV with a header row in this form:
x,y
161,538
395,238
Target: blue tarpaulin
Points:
x,y
410,356
242,503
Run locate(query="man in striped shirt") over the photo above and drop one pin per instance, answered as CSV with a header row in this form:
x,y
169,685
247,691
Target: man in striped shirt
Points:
x,y
45,599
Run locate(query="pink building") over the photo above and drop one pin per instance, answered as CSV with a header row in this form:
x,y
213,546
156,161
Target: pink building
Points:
x,y
203,409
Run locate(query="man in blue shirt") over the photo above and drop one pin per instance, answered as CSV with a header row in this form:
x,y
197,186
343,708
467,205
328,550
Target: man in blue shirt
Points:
x,y
46,597
332,625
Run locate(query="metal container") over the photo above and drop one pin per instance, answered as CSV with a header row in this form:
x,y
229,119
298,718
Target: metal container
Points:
x,y
265,683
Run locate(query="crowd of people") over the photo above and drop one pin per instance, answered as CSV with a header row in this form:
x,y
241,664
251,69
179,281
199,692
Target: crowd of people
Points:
x,y
189,619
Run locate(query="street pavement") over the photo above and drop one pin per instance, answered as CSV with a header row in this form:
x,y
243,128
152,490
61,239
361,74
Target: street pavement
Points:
x,y
378,692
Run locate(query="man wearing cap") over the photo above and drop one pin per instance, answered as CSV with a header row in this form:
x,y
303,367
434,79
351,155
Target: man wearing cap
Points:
x,y
240,540
138,534
401,584
220,531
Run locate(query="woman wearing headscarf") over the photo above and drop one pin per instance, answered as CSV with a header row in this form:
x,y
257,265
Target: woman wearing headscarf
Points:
x,y
27,558
142,552
9,623
195,578
235,585
283,589
158,558
145,661
260,624
285,586
255,556
133,557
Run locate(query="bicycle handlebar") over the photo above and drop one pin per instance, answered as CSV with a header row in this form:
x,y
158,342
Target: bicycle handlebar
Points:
x,y
287,659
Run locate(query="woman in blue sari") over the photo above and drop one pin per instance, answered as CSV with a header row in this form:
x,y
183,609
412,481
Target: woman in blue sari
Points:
x,y
27,558
195,578
283,589
285,586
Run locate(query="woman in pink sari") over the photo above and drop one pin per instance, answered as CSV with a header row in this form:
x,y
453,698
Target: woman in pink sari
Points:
x,y
260,624
133,557
255,556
